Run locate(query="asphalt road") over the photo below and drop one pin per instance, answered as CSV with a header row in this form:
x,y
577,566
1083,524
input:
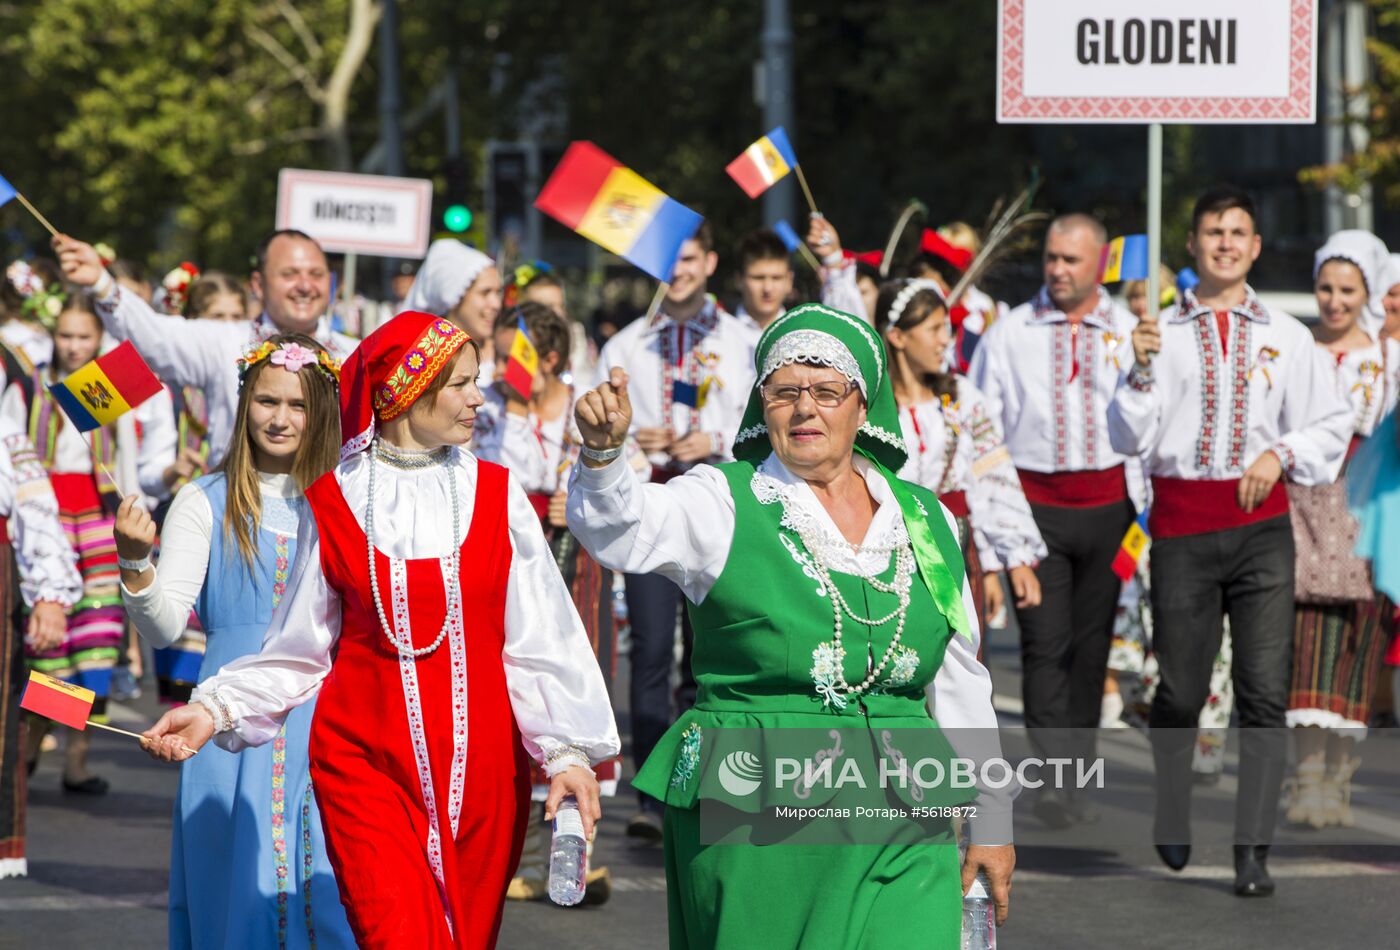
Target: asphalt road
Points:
x,y
99,868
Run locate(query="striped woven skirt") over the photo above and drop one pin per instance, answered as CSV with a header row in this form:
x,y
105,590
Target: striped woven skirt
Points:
x,y
1337,652
12,777
177,666
90,648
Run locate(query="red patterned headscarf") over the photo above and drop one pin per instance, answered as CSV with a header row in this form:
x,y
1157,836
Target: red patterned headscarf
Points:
x,y
389,371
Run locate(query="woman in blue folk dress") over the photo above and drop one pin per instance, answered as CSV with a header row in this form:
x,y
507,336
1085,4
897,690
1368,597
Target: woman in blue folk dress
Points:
x,y
248,864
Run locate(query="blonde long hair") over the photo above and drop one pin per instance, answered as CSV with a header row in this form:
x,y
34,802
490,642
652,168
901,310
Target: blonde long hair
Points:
x,y
317,454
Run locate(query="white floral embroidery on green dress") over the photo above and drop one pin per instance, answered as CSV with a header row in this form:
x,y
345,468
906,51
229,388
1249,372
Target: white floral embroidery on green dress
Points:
x,y
905,664
826,659
689,758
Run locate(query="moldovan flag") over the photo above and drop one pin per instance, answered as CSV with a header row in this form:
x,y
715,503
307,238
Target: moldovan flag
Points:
x,y
522,363
763,163
1124,258
788,236
7,191
1130,551
596,195
109,386
54,699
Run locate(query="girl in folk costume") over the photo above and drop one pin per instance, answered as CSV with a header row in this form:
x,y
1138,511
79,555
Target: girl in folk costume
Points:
x,y
227,545
1342,625
462,284
424,725
81,467
534,436
212,295
38,570
772,551
955,448
30,298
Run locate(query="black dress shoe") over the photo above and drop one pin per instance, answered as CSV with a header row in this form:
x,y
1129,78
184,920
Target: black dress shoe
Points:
x,y
645,826
1174,856
92,785
1251,874
1052,808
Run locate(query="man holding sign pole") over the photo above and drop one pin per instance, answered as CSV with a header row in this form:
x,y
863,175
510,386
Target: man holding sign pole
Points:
x,y
1224,397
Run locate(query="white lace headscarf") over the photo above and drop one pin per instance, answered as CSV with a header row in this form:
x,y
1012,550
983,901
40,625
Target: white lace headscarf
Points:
x,y
1372,258
448,272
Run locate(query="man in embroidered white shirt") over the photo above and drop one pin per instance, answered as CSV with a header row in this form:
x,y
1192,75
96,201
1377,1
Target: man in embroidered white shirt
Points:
x,y
291,278
1048,370
765,278
691,368
1225,397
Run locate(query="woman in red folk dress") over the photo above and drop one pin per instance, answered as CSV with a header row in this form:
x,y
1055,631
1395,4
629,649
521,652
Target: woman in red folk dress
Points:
x,y
427,610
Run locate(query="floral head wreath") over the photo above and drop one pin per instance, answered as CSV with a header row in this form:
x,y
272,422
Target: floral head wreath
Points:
x,y
41,303
177,286
291,356
521,278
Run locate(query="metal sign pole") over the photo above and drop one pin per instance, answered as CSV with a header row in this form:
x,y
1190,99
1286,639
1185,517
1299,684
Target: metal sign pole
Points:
x,y
1154,219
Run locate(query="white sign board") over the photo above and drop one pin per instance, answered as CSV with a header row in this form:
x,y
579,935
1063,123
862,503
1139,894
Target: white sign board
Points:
x,y
1172,61
366,214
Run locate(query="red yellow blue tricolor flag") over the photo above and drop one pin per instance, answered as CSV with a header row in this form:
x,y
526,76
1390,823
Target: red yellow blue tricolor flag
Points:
x,y
523,362
596,195
763,163
108,387
1135,542
54,699
1124,258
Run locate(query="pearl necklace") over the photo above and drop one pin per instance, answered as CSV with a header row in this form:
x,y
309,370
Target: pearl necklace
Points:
x,y
452,562
900,585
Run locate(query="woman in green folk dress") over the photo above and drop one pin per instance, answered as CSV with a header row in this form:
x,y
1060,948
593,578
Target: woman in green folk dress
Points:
x,y
825,594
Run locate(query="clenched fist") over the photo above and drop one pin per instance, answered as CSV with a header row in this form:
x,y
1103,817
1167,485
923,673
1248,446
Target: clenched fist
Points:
x,y
604,415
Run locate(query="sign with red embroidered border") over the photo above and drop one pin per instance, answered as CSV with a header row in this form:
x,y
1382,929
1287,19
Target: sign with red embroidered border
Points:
x,y
1182,62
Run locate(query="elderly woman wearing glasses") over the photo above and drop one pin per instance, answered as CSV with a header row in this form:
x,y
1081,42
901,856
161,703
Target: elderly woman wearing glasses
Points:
x,y
825,593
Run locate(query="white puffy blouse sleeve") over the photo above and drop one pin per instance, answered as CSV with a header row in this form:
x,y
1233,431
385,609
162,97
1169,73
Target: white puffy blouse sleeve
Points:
x,y
556,688
161,610
250,697
48,565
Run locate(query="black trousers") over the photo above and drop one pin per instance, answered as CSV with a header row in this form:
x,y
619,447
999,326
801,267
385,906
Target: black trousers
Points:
x,y
1246,572
653,604
1065,641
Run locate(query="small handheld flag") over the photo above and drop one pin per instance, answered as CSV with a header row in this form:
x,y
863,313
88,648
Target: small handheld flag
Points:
x,y
1124,258
1135,542
105,389
763,163
523,362
54,699
596,195
788,235
7,191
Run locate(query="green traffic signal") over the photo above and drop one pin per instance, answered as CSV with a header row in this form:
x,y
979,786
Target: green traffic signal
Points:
x,y
457,218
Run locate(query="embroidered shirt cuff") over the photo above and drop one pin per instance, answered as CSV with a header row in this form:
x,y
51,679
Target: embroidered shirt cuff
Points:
x,y
1140,380
564,758
1285,455
218,710
717,444
55,596
601,479
106,292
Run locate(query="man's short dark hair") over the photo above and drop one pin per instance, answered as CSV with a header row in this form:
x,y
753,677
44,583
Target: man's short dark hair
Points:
x,y
260,256
761,245
1220,199
705,237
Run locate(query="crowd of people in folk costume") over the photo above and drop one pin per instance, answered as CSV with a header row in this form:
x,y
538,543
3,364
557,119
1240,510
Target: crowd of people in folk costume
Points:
x,y
381,578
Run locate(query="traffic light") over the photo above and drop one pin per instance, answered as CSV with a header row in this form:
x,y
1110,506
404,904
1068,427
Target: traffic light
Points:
x,y
456,217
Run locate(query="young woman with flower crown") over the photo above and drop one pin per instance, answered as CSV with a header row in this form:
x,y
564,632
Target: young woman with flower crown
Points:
x,y
248,865
87,650
425,611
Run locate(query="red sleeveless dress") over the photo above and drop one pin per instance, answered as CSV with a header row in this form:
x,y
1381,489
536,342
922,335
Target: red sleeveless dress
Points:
x,y
382,742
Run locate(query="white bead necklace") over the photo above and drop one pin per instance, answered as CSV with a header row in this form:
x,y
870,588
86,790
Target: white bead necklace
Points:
x,y
451,563
900,585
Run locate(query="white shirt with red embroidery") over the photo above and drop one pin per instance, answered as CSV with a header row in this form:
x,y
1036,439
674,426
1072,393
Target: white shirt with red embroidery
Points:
x,y
1370,380
712,351
1049,382
957,446
1207,412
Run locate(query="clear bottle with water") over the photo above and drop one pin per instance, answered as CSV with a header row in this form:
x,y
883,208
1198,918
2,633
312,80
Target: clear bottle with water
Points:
x,y
568,855
979,922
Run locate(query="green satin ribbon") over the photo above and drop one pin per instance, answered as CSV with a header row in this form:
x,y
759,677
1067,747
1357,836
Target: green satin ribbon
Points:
x,y
944,580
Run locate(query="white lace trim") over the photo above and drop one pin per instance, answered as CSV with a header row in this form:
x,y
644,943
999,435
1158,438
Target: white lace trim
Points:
x,y
457,647
885,435
833,551
13,867
813,346
752,432
357,444
877,348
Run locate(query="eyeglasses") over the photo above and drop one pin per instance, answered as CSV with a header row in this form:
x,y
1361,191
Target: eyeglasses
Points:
x,y
828,393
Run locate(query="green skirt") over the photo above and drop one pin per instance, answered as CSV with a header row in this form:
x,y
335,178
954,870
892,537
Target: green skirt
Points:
x,y
808,897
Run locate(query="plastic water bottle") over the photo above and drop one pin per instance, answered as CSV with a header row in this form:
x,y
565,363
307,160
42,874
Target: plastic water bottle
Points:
x,y
979,922
568,855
